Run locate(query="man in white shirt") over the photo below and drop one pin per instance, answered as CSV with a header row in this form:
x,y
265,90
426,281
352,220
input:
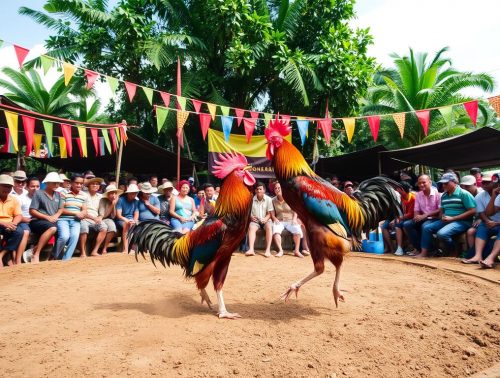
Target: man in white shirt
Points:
x,y
260,218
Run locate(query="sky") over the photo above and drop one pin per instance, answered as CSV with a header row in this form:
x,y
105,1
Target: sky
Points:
x,y
469,29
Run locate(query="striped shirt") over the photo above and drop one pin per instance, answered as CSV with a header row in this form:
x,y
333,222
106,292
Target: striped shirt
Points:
x,y
457,203
72,202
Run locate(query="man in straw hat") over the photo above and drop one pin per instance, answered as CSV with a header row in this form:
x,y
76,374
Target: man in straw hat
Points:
x,y
166,193
149,206
44,211
127,213
19,191
10,217
107,212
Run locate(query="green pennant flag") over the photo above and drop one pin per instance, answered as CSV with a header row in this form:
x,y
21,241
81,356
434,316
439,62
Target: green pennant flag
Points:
x,y
47,63
106,139
113,83
117,132
267,118
48,127
447,114
182,102
224,110
149,94
161,116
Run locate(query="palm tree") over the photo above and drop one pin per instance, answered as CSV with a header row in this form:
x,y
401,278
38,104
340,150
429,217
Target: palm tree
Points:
x,y
418,83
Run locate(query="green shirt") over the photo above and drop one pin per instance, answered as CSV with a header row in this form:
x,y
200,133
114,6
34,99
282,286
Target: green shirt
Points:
x,y
457,203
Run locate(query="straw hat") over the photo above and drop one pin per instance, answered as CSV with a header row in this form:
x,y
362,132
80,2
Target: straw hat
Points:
x,y
94,180
20,176
53,177
6,180
132,188
111,188
63,177
147,188
165,185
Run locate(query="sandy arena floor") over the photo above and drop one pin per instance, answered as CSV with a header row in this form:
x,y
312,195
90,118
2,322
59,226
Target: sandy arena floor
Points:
x,y
112,316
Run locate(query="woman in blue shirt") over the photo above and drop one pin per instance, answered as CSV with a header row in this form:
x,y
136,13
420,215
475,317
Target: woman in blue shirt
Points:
x,y
182,209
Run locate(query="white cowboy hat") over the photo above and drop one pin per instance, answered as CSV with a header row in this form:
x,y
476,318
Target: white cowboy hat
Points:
x,y
165,185
132,188
53,177
6,180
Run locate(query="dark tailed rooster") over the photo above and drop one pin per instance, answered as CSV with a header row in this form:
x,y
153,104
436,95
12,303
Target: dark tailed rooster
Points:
x,y
333,220
206,251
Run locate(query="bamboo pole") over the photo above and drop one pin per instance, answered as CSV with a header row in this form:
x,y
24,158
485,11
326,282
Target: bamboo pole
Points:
x,y
119,162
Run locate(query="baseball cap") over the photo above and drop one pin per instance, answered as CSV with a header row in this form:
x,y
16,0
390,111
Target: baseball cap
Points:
x,y
487,177
468,180
447,177
348,183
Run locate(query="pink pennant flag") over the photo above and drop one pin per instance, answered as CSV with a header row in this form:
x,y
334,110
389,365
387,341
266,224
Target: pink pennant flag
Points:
x,y
113,139
95,139
21,54
326,127
471,109
249,125
66,132
166,98
286,119
424,117
29,130
239,115
131,88
91,78
374,123
205,120
197,105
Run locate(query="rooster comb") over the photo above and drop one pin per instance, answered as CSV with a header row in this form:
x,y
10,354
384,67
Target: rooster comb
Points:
x,y
225,163
277,127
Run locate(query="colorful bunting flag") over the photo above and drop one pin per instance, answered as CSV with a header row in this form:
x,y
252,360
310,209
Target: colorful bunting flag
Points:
x,y
166,98
62,148
267,118
374,124
66,132
12,123
117,132
102,151
69,71
227,125
91,78
302,125
182,117
37,143
196,105
48,128
82,133
21,54
424,117
113,84
149,94
8,147
181,101
29,130
249,125
326,128
161,116
254,115
112,134
131,88
349,125
240,113
471,109
205,120
224,110
400,119
212,109
447,114
106,139
495,104
47,63
95,139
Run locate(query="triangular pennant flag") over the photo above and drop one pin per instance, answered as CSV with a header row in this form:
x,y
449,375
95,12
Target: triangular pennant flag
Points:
x,y
47,63
181,101
117,132
123,134
66,132
5,147
149,94
12,123
69,71
227,125
21,54
254,115
267,118
82,133
374,123
447,114
166,98
29,130
131,88
224,110
79,145
113,84
106,139
326,128
249,125
102,150
285,119
161,116
424,117
212,109
350,126
113,139
91,78
400,119
495,104
95,139
196,105
48,128
62,148
471,109
302,125
240,113
37,143
205,120
182,116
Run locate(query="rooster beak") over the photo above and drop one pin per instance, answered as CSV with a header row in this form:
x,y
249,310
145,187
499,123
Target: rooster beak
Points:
x,y
247,168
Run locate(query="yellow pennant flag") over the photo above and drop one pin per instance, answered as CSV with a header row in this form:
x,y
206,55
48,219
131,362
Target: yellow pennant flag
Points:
x,y
212,109
69,71
495,104
349,125
12,123
400,118
37,140
62,147
82,133
182,116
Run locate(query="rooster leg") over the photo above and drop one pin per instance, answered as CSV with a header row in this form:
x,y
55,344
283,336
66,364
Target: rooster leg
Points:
x,y
223,313
337,295
205,298
294,288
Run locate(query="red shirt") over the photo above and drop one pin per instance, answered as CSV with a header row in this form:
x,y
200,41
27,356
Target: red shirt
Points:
x,y
408,206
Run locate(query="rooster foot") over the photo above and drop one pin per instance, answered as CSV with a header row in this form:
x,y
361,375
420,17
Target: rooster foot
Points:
x,y
292,289
205,298
337,295
229,315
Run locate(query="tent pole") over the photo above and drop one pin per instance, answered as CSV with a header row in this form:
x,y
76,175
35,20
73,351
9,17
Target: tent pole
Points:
x,y
119,162
379,163
178,163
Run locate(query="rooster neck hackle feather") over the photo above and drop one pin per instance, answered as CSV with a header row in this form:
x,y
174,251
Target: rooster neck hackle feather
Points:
x,y
234,197
289,162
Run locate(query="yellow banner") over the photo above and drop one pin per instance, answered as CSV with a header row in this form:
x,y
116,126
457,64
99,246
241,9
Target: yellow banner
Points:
x,y
37,138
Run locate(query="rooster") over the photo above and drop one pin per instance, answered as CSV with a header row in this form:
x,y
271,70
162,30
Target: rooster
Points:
x,y
206,251
334,221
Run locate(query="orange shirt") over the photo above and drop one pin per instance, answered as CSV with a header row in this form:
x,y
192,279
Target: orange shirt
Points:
x,y
9,209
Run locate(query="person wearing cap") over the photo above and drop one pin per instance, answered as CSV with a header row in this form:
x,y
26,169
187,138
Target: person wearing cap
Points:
x,y
476,172
457,211
349,188
127,213
182,209
148,205
45,211
92,220
165,196
107,212
468,183
19,191
65,183
74,209
10,217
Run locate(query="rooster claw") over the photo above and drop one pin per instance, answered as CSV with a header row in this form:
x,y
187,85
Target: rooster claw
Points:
x,y
292,289
229,315
337,296
206,298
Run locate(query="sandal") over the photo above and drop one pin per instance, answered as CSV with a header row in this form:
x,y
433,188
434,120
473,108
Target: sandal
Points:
x,y
486,265
306,252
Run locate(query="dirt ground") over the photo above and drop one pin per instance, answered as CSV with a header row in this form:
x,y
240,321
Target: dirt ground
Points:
x,y
113,316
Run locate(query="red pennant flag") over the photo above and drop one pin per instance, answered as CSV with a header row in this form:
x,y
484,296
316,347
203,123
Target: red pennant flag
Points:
x,y
29,130
66,132
240,113
286,119
91,78
471,109
326,127
21,54
131,88
79,144
249,125
374,123
123,134
166,98
95,139
254,115
205,123
197,105
113,139
424,116
5,147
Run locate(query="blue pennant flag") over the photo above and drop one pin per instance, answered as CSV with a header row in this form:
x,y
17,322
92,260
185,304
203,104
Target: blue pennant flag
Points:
x,y
227,125
303,125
